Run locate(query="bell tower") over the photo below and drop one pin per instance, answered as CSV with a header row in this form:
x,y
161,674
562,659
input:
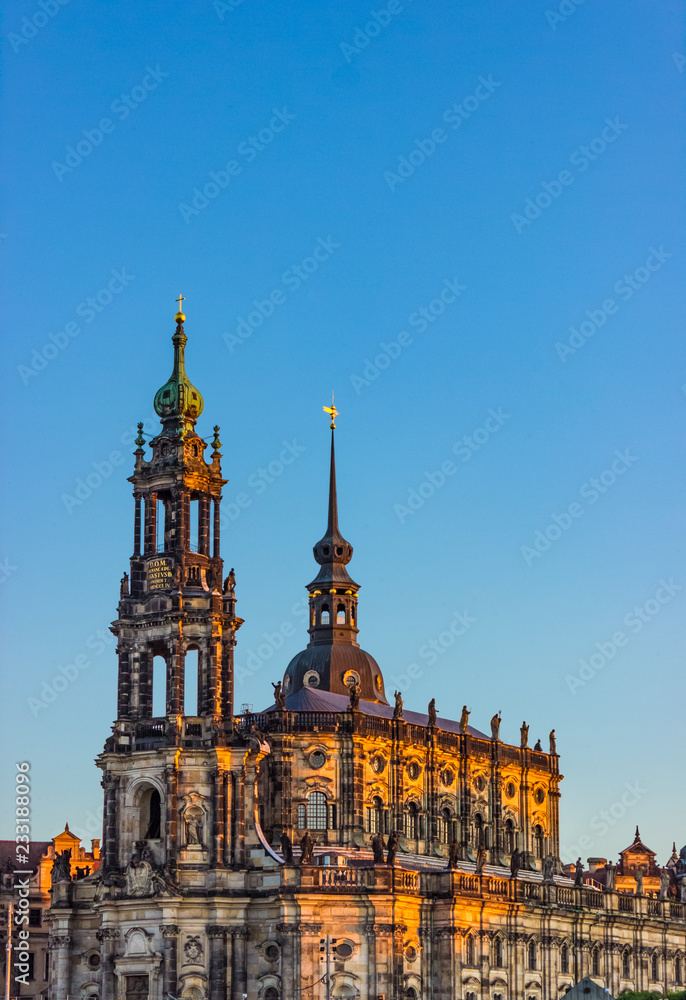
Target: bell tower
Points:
x,y
173,606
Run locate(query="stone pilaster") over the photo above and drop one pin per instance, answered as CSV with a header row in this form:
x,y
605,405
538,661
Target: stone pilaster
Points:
x,y
217,938
170,934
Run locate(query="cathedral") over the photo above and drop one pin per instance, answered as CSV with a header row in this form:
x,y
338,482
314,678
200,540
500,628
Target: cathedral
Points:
x,y
335,845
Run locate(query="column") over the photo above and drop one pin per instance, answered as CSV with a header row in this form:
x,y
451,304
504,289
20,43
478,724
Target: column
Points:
x,y
370,933
170,817
59,946
217,842
110,783
289,975
124,684
150,545
137,525
217,528
226,834
107,937
204,525
170,933
217,936
239,982
175,677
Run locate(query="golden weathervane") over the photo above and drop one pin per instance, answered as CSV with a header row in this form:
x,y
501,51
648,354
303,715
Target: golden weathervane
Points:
x,y
333,413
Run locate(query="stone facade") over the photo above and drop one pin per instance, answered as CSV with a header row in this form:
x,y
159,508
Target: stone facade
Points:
x,y
332,845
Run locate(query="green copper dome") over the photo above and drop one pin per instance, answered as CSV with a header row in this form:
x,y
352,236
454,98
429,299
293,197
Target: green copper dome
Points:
x,y
178,397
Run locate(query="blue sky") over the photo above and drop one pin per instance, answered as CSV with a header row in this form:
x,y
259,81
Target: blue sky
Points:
x,y
526,163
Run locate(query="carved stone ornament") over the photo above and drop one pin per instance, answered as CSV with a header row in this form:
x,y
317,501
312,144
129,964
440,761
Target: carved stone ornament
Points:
x,y
193,950
139,880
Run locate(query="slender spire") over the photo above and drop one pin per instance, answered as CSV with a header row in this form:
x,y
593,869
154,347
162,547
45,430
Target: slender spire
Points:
x,y
178,402
333,552
332,526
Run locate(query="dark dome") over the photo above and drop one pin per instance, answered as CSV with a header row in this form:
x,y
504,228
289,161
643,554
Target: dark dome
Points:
x,y
332,662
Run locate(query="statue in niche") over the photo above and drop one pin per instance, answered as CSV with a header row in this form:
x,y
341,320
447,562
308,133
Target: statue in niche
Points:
x,y
279,699
124,586
193,826
378,847
398,707
432,712
464,719
553,741
286,848
495,726
524,734
392,848
307,848
453,854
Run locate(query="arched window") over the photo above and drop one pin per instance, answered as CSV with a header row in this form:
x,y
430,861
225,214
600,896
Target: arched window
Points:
x,y
654,972
376,815
302,817
446,826
158,687
316,811
677,970
509,836
538,841
340,614
151,808
626,964
479,830
595,962
532,954
324,615
412,819
564,958
469,950
271,993
191,667
498,953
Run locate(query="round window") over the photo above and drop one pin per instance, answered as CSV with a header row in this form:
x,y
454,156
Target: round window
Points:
x,y
480,782
317,759
447,777
93,961
271,952
378,764
311,679
351,677
510,790
413,770
540,796
411,953
344,950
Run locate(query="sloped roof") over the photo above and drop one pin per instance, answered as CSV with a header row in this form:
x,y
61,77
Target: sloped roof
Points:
x,y
638,847
587,989
8,854
309,699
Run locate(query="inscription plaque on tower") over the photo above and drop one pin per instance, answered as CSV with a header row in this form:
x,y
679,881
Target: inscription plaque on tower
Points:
x,y
159,574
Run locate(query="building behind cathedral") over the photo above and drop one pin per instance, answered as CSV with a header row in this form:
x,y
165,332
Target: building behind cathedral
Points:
x,y
334,845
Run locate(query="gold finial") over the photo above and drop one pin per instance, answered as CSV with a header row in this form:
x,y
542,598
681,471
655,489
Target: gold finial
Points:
x,y
333,413
180,317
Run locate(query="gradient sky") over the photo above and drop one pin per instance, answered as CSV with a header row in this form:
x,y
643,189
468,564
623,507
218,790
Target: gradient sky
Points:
x,y
356,107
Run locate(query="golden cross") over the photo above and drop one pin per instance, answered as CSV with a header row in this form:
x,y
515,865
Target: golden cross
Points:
x,y
333,413
181,298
